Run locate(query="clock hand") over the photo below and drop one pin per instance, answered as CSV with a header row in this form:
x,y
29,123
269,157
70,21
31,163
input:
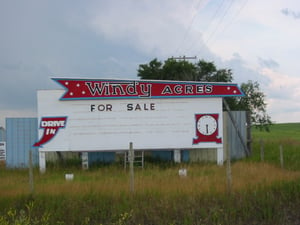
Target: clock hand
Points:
x,y
207,128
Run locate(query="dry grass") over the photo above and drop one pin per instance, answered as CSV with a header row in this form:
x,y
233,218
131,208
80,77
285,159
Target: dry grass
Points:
x,y
13,182
247,175
102,196
114,181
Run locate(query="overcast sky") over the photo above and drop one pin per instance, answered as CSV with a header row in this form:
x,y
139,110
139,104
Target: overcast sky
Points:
x,y
40,39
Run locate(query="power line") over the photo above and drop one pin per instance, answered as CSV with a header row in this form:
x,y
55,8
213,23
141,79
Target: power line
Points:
x,y
211,20
234,17
189,27
220,22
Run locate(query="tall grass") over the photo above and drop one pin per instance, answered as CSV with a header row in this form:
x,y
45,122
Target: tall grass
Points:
x,y
161,196
262,192
114,180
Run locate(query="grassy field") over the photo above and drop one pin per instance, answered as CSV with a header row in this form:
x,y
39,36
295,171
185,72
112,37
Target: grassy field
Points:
x,y
262,191
286,135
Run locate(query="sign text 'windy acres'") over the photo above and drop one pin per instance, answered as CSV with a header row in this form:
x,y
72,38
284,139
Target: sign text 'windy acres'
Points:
x,y
80,89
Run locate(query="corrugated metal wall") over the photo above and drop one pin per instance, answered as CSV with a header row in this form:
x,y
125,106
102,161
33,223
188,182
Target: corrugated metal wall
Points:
x,y
56,156
203,155
231,137
21,134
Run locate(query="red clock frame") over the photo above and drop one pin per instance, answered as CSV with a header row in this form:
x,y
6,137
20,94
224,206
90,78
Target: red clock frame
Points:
x,y
209,135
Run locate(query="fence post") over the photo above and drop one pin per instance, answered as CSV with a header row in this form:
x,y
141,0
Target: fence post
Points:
x,y
228,169
131,166
281,156
31,187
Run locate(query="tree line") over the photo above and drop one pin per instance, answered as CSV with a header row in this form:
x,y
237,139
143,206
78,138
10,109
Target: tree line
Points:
x,y
204,71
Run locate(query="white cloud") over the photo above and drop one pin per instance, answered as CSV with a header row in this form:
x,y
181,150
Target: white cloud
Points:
x,y
24,113
261,30
284,110
111,38
289,12
282,84
268,63
152,27
283,94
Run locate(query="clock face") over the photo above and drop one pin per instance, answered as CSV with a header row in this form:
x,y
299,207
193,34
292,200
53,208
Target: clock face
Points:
x,y
207,125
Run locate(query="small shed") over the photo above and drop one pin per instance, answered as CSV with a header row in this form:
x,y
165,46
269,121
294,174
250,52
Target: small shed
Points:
x,y
20,134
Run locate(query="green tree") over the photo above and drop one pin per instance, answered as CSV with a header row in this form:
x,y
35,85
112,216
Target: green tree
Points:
x,y
254,101
151,71
171,69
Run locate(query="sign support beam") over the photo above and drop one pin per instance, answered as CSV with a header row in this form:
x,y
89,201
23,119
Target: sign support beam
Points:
x,y
42,161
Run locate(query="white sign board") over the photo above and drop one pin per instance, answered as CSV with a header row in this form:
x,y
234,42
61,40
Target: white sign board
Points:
x,y
111,124
2,151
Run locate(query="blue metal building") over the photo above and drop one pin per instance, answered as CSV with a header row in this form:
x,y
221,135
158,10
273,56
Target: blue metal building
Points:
x,y
101,157
21,134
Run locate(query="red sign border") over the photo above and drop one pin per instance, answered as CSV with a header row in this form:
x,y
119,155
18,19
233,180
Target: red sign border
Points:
x,y
76,91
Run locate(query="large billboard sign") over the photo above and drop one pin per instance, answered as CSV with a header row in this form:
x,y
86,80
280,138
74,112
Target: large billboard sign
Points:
x,y
106,115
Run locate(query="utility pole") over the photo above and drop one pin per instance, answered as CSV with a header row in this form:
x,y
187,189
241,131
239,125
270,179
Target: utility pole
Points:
x,y
184,57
